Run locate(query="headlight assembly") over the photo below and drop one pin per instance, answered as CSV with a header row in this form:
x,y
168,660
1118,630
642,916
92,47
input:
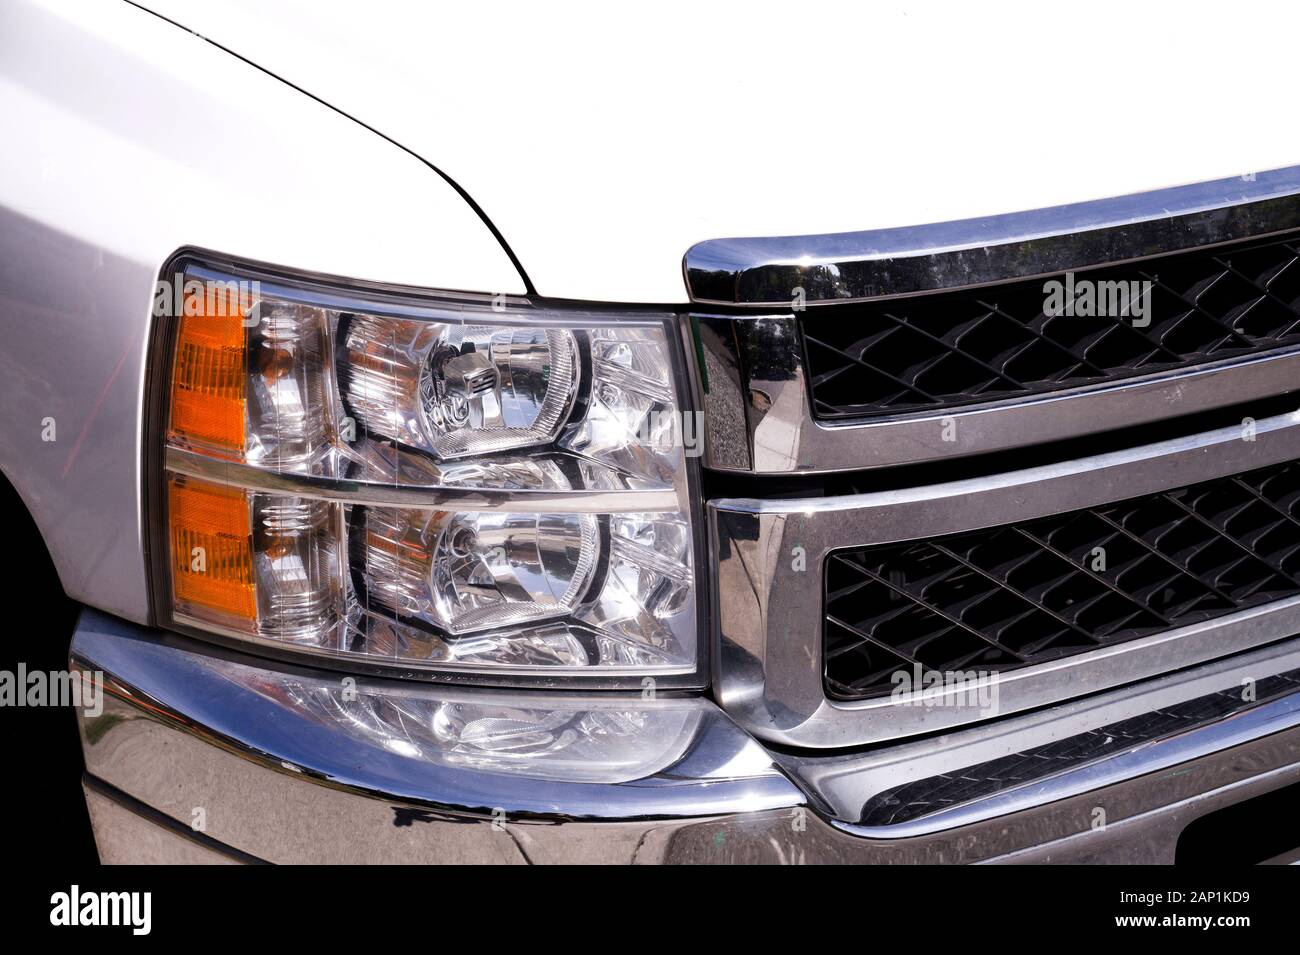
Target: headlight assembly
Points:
x,y
431,483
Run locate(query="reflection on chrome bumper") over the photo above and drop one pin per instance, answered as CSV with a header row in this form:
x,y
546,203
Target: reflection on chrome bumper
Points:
x,y
515,754
288,765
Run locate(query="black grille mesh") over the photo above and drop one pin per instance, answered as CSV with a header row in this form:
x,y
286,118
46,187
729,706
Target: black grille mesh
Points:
x,y
952,348
1018,594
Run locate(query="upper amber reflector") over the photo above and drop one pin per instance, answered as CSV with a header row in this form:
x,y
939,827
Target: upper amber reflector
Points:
x,y
209,373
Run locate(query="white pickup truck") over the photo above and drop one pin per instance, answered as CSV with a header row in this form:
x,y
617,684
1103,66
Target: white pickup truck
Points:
x,y
755,432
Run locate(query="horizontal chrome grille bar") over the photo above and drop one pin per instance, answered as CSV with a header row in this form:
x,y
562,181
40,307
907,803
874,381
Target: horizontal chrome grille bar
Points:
x,y
908,514
844,267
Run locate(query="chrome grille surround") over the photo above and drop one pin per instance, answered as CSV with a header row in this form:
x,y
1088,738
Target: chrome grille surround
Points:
x,y
759,412
771,557
771,553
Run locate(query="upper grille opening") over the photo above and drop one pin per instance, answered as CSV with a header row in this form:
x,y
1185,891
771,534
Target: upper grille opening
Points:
x,y
1024,593
952,348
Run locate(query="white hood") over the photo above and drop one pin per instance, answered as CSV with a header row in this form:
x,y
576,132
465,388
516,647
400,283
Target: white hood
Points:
x,y
603,142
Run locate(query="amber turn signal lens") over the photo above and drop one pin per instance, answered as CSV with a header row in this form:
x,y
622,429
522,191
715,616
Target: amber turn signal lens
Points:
x,y
210,370
212,549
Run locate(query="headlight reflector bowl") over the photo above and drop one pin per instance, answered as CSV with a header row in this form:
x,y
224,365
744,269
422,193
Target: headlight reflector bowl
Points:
x,y
456,390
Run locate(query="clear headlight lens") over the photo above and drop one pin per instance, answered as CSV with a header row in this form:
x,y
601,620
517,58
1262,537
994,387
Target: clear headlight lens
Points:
x,y
612,741
477,570
456,390
433,484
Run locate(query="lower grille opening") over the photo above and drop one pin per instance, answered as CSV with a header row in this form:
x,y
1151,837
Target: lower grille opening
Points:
x,y
1012,596
968,783
1263,829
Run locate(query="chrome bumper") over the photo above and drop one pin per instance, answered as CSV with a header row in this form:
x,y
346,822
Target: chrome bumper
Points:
x,y
203,755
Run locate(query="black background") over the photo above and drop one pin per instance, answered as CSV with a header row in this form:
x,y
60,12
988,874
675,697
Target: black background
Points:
x,y
45,815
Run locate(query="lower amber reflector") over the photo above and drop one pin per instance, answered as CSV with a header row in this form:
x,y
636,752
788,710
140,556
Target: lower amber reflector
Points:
x,y
212,549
